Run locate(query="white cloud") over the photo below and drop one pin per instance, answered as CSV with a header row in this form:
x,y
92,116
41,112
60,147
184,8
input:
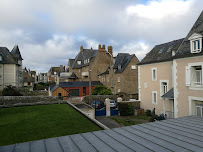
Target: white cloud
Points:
x,y
156,10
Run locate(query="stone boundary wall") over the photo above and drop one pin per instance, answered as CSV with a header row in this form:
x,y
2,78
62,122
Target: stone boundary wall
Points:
x,y
135,104
17,100
98,97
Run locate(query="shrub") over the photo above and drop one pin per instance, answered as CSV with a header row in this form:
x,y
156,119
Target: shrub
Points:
x,y
126,109
101,90
148,112
10,91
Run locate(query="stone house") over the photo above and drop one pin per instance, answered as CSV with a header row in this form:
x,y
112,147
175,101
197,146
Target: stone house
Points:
x,y
122,76
170,76
89,63
10,67
28,78
42,77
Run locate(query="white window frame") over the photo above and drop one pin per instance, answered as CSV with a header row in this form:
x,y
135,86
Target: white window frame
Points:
x,y
189,76
154,93
133,67
154,69
119,79
194,39
79,62
161,90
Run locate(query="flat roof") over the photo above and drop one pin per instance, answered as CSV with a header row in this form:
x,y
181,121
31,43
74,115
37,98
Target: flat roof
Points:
x,y
181,134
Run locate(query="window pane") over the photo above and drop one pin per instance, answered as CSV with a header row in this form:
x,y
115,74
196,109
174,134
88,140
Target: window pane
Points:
x,y
154,74
198,111
194,44
198,46
154,97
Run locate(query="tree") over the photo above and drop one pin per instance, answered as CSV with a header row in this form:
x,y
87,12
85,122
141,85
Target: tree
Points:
x,y
11,91
101,90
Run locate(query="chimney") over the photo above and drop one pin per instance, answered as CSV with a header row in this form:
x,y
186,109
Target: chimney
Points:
x,y
110,50
103,46
81,48
99,47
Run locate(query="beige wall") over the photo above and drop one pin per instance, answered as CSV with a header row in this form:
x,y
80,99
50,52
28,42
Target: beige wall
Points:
x,y
186,95
164,72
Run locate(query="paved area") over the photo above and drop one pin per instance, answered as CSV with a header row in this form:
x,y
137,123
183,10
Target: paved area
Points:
x,y
108,122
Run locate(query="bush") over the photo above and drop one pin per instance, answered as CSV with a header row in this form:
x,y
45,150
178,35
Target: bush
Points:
x,y
11,91
126,109
148,112
101,90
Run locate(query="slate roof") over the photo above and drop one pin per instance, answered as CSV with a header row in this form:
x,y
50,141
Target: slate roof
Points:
x,y
71,61
184,50
162,52
182,134
16,53
27,77
122,59
68,75
79,84
83,55
7,57
169,94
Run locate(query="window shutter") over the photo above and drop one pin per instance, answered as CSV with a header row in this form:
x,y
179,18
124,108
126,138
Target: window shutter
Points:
x,y
187,76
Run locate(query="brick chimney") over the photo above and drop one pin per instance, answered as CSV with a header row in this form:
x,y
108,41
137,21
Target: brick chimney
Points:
x,y
99,46
103,46
81,48
101,49
110,50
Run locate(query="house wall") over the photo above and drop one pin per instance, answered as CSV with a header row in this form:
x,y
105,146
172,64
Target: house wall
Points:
x,y
60,90
80,90
8,75
147,86
186,96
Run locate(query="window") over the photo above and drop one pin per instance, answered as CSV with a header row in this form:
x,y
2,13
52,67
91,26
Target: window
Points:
x,y
119,79
133,67
119,90
154,74
193,75
199,110
163,87
195,43
107,79
154,97
0,57
79,62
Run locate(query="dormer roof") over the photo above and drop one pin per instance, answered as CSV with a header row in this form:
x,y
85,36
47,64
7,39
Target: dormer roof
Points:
x,y
16,53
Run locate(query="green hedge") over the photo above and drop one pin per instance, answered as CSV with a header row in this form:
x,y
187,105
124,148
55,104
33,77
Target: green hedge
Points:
x,y
125,109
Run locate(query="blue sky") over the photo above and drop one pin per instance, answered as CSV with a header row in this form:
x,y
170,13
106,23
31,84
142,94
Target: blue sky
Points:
x,y
48,33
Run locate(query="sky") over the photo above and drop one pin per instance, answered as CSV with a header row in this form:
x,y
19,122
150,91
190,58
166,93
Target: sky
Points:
x,y
49,32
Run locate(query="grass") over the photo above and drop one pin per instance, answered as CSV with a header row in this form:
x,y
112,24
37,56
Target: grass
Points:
x,y
130,120
22,124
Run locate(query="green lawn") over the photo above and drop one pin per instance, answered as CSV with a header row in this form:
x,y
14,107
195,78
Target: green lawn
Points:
x,y
21,124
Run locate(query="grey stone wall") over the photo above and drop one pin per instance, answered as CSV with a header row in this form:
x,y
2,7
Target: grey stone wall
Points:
x,y
12,100
98,97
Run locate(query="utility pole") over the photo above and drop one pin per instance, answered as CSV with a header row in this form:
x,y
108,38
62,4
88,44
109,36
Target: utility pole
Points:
x,y
89,83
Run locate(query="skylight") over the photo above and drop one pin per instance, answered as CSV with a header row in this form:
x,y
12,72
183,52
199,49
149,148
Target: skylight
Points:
x,y
161,50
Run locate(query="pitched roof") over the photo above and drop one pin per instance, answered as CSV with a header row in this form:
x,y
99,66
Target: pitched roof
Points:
x,y
71,61
122,59
68,75
83,55
184,50
162,52
7,58
181,134
16,53
27,77
79,84
169,94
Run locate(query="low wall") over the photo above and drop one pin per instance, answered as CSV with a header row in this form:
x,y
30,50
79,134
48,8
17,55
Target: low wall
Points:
x,y
90,99
12,100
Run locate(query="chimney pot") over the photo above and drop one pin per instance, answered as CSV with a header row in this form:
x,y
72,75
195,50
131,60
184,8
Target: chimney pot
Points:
x,y
103,47
110,50
99,47
81,48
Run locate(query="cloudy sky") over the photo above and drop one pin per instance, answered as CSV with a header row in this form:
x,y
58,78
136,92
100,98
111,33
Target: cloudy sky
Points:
x,y
49,32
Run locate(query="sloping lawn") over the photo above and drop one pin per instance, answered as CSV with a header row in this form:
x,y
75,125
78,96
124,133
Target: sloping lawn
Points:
x,y
21,124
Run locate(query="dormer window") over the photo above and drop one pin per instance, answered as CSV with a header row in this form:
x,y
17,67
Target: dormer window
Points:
x,y
0,57
195,43
79,62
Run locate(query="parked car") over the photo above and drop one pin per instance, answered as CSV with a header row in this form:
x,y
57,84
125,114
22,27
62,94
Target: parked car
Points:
x,y
99,104
113,104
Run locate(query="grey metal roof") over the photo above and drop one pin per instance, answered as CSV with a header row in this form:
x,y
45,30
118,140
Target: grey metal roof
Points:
x,y
122,59
162,52
169,94
184,50
182,134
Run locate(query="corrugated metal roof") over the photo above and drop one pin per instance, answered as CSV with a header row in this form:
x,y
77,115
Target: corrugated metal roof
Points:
x,y
182,134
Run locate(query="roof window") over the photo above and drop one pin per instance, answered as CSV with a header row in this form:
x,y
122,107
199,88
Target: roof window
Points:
x,y
195,43
79,62
161,50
